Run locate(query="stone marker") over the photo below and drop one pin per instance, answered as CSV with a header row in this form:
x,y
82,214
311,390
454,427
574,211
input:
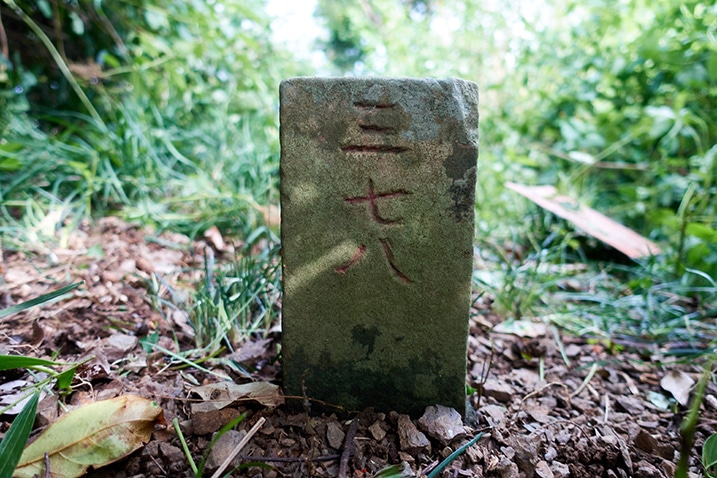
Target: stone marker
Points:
x,y
377,223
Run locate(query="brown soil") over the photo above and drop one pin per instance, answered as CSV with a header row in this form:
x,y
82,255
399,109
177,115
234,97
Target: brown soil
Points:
x,y
539,415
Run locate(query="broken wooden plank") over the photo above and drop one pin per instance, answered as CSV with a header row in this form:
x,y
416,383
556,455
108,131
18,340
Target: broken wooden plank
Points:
x,y
589,220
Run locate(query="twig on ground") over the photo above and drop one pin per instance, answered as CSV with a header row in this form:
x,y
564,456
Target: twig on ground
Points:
x,y
47,465
295,459
238,448
543,388
484,372
348,448
159,465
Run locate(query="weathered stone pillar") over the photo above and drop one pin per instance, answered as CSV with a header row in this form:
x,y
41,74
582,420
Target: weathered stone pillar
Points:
x,y
377,222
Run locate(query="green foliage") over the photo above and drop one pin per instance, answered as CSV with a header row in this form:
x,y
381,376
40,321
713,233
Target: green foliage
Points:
x,y
31,303
613,103
624,92
198,470
626,107
689,424
647,310
13,443
63,380
186,135
709,456
229,426
236,301
9,362
392,471
521,277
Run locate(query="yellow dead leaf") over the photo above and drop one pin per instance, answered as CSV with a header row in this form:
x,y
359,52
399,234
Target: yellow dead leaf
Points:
x,y
92,435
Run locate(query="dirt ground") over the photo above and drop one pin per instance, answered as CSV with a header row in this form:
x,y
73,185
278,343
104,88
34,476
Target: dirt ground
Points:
x,y
545,409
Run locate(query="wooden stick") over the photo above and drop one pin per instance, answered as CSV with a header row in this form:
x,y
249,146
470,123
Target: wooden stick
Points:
x,y
238,448
295,459
348,449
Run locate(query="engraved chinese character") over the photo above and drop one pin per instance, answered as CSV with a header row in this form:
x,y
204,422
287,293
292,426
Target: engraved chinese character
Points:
x,y
371,199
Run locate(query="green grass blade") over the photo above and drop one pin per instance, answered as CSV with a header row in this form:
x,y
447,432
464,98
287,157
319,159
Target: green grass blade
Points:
x,y
437,471
185,447
39,300
393,471
200,469
16,437
8,362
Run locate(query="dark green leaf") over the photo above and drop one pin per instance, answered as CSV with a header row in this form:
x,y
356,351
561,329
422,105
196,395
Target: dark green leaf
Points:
x,y
8,362
9,164
709,455
393,471
64,380
712,66
16,437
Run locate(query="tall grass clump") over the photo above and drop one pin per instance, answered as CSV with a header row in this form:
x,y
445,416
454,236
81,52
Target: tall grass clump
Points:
x,y
162,112
237,301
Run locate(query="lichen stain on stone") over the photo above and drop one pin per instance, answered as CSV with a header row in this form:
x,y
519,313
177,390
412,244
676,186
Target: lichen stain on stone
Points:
x,y
463,197
366,337
461,160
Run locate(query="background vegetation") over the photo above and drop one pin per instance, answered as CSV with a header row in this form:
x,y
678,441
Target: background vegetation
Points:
x,y
166,112
175,123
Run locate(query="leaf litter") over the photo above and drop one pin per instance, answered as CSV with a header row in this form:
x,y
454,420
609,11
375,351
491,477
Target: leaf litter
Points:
x,y
92,435
545,409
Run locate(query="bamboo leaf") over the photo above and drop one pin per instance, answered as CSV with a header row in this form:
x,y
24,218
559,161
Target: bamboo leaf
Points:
x,y
8,362
16,437
38,300
93,435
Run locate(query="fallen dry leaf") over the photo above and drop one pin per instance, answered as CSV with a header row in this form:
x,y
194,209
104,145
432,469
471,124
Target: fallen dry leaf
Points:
x,y
93,435
223,394
679,385
214,237
251,350
14,394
